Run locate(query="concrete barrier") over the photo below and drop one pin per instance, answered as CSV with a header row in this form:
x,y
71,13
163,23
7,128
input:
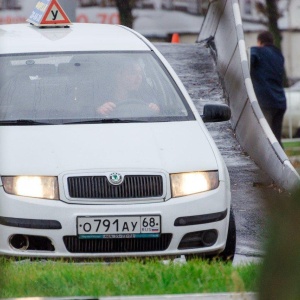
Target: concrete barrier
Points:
x,y
223,22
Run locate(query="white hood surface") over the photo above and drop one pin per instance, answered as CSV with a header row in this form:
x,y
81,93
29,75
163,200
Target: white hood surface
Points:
x,y
55,149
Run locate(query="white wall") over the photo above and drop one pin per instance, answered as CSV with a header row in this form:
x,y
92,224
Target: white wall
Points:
x,y
294,12
291,52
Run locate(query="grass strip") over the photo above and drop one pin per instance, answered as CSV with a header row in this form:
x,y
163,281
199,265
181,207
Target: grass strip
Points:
x,y
291,148
291,144
132,277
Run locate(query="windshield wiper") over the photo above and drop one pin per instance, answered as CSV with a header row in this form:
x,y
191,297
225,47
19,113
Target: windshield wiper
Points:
x,y
106,120
61,122
23,122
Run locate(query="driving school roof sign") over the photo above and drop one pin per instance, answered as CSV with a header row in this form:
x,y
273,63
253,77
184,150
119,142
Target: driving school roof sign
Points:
x,y
48,13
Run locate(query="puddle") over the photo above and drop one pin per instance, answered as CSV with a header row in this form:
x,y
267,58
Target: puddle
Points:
x,y
242,259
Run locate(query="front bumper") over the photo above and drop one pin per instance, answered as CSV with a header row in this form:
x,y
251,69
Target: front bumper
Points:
x,y
49,227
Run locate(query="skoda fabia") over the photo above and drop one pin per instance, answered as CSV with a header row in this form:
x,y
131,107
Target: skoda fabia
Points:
x,y
103,153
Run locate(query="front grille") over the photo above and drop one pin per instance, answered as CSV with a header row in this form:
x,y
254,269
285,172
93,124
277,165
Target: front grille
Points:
x,y
76,245
98,187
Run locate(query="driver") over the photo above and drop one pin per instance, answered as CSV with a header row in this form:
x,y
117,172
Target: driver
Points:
x,y
127,87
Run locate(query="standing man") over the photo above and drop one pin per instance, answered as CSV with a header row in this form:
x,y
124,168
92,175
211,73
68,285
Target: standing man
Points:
x,y
267,70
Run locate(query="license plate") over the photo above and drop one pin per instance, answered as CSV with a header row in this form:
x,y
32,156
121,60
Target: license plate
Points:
x,y
118,227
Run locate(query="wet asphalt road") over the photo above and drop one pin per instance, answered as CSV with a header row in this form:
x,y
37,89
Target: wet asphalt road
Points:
x,y
249,185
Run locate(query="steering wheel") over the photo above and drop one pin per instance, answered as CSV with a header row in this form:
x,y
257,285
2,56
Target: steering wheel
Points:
x,y
133,108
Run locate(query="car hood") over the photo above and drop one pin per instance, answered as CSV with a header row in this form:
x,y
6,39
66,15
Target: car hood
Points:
x,y
54,149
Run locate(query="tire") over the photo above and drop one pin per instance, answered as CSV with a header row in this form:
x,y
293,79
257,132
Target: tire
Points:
x,y
229,251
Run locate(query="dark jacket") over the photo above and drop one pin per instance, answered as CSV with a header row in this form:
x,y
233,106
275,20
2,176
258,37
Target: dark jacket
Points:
x,y
267,68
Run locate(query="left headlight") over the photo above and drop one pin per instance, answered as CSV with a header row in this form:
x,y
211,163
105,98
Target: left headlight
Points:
x,y
183,184
45,187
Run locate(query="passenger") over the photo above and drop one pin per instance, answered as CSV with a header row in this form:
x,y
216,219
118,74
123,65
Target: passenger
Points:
x,y
127,88
267,70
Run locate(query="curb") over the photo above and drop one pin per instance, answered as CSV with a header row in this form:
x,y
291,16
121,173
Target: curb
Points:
x,y
216,296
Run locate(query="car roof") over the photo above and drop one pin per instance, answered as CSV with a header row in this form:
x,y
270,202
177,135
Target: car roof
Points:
x,y
26,38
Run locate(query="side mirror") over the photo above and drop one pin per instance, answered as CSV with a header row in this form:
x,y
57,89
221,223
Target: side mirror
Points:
x,y
216,113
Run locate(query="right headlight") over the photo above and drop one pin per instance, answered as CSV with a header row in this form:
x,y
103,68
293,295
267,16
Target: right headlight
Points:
x,y
183,184
45,187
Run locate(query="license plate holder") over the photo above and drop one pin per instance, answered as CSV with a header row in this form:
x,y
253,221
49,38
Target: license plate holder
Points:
x,y
99,227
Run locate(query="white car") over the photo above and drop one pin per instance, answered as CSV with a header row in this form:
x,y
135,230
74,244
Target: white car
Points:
x,y
89,171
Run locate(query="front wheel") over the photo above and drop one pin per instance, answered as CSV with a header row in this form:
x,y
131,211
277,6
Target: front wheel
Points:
x,y
229,251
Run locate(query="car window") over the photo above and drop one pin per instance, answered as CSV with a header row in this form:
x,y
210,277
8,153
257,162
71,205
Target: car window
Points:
x,y
70,87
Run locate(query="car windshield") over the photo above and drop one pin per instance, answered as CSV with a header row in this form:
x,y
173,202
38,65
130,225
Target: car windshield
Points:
x,y
66,88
